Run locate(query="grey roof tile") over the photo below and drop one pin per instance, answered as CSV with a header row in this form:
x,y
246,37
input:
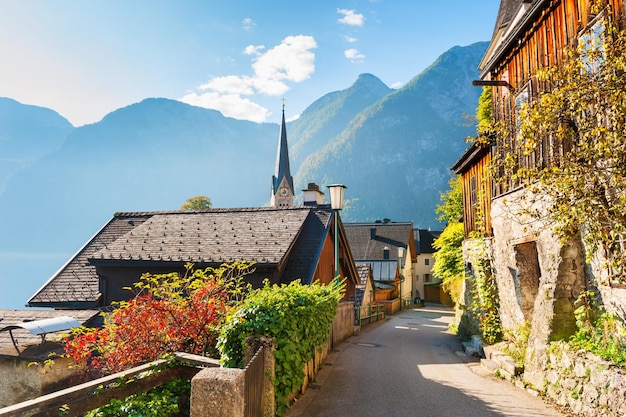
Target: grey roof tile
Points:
x,y
391,235
263,235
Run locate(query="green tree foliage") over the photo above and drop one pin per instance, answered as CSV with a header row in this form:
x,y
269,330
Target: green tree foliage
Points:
x,y
570,147
297,317
449,260
198,202
449,255
451,207
484,112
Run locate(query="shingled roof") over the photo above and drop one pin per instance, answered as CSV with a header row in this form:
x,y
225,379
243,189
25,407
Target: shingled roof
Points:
x,y
368,240
75,285
277,237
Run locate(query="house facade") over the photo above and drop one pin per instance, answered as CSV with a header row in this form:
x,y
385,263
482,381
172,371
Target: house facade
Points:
x,y
538,277
426,285
390,248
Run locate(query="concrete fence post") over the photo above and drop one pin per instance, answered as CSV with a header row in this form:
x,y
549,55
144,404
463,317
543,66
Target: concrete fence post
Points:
x,y
218,392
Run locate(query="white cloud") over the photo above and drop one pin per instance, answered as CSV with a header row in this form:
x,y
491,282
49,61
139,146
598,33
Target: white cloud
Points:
x,y
230,105
354,55
253,49
247,24
397,84
350,17
291,61
350,39
229,84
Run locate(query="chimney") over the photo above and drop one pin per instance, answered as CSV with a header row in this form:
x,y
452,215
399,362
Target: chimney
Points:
x,y
372,233
312,195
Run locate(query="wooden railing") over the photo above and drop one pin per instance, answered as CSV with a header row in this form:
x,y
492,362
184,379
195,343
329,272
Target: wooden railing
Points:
x,y
370,313
79,399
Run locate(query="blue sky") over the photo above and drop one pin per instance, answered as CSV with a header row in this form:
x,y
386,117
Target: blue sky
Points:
x,y
85,59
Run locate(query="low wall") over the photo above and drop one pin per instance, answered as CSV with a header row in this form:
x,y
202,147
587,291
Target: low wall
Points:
x,y
343,323
584,382
24,378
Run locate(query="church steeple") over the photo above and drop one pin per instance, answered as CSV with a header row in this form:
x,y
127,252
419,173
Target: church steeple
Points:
x,y
282,183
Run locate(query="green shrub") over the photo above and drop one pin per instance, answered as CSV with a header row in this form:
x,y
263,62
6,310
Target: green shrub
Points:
x,y
168,400
598,331
297,317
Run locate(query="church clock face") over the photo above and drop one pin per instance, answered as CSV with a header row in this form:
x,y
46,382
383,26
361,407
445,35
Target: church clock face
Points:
x,y
283,191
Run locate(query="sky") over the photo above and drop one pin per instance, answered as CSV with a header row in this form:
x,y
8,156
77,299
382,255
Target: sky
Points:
x,y
85,59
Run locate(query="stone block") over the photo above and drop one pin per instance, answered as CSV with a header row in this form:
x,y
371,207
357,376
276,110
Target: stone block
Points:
x,y
218,392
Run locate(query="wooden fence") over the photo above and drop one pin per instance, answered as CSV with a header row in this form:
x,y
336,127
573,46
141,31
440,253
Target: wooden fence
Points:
x,y
79,399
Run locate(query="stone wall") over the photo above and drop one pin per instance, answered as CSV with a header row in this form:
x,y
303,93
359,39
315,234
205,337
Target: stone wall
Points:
x,y
538,278
585,383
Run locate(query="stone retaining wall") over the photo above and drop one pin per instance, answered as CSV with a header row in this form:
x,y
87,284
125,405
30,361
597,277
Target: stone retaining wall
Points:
x,y
584,382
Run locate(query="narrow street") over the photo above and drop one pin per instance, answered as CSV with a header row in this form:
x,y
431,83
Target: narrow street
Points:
x,y
409,365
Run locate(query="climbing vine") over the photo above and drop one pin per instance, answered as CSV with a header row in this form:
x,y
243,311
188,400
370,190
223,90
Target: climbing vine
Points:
x,y
485,304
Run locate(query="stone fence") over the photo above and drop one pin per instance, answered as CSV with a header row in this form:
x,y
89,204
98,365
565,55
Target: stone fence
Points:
x,y
584,382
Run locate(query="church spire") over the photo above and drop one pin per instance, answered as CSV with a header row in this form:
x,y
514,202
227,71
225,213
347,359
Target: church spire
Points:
x,y
282,183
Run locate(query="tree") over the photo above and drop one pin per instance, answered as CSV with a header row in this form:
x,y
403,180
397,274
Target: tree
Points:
x,y
449,256
451,207
449,265
169,313
570,148
198,202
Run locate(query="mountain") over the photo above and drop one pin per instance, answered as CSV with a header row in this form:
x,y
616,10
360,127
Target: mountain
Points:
x,y
392,148
327,117
27,133
151,155
395,155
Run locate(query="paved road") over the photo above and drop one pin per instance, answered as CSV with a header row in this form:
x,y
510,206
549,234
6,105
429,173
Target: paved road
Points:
x,y
410,365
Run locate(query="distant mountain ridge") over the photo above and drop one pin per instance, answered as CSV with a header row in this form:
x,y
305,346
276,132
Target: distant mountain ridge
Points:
x,y
392,148
328,116
27,133
395,155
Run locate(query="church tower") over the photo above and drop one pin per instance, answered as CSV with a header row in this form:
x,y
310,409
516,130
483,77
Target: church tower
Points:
x,y
282,183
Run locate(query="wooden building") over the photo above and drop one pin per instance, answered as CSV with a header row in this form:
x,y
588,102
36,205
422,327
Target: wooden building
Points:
x,y
473,167
538,277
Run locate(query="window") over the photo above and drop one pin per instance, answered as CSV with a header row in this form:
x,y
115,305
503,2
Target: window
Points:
x,y
427,261
428,278
591,45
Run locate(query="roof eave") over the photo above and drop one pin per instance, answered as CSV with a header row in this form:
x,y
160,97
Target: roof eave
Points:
x,y
507,43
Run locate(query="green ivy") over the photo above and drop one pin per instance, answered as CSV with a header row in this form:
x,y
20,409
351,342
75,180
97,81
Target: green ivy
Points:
x,y
485,306
297,317
168,400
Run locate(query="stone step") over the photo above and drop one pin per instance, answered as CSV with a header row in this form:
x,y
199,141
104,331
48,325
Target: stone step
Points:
x,y
489,365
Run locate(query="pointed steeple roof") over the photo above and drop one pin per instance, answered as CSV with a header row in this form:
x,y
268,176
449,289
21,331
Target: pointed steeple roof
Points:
x,y
282,159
